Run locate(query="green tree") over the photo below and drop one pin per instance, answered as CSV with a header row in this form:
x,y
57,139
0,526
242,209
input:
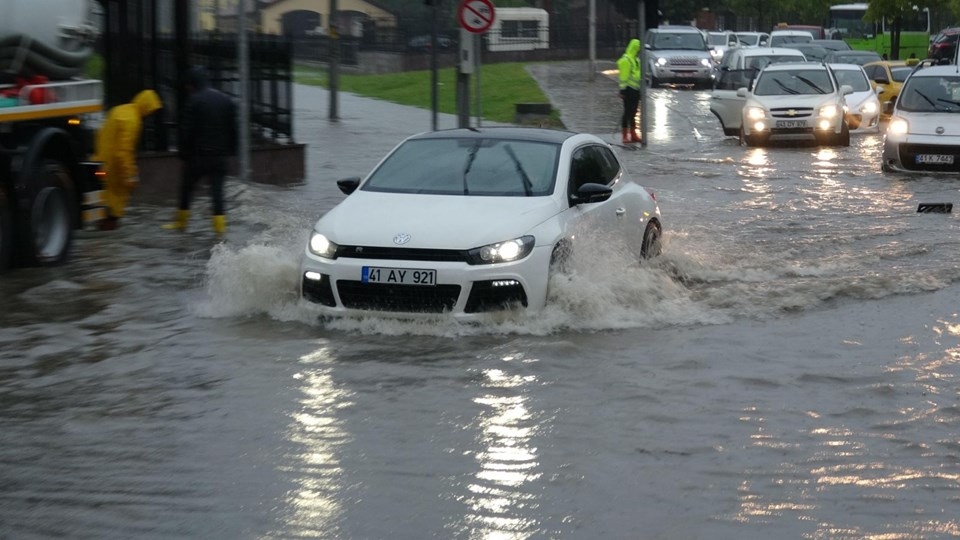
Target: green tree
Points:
x,y
891,11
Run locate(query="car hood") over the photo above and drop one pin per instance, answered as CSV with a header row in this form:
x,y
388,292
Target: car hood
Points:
x,y
855,99
433,221
926,123
679,53
800,100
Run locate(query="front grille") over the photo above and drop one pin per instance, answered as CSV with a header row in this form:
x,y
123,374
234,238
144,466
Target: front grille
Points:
x,y
399,298
909,153
401,254
684,61
495,295
800,112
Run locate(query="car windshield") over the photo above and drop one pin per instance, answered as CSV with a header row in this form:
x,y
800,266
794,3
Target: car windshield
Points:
x,y
717,39
931,94
854,78
781,40
852,58
900,73
759,62
799,81
678,41
749,39
468,166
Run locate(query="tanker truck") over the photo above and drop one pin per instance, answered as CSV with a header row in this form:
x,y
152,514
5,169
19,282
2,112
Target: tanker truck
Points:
x,y
48,186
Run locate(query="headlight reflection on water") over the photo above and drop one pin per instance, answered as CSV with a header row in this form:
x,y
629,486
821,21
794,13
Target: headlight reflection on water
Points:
x,y
508,460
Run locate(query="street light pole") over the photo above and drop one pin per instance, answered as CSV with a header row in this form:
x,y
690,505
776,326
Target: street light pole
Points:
x,y
243,62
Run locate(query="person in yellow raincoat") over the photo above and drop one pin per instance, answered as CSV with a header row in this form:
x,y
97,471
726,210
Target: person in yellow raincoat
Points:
x,y
116,147
629,66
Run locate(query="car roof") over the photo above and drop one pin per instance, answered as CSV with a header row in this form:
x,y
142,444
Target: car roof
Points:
x,y
676,28
937,71
788,66
849,67
767,51
556,136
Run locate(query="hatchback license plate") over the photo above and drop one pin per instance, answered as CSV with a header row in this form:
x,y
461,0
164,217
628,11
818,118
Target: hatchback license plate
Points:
x,y
787,124
943,159
398,276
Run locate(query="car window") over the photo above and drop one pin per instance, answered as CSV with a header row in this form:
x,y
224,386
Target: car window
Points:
x,y
718,39
592,164
468,166
929,94
900,73
735,79
678,41
794,82
781,40
875,72
854,78
759,62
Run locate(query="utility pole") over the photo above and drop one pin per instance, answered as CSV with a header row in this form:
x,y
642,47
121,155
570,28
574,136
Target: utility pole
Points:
x,y
333,35
642,23
434,42
243,61
592,21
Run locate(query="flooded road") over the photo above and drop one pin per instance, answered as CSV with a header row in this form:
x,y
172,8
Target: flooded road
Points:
x,y
787,369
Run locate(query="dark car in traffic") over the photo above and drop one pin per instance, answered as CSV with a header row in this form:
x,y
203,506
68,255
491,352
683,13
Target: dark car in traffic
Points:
x,y
944,45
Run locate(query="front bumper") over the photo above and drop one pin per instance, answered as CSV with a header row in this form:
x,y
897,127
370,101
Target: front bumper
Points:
x,y
913,153
466,292
683,74
791,129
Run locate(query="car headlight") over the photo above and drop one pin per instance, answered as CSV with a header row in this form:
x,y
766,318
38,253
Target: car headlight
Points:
x,y
829,111
322,246
756,113
898,126
870,107
661,61
705,62
716,53
511,250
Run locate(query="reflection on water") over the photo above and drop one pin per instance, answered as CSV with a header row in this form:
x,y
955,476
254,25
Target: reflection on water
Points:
x,y
508,461
318,432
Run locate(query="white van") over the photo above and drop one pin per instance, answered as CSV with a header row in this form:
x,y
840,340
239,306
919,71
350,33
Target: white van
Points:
x,y
519,29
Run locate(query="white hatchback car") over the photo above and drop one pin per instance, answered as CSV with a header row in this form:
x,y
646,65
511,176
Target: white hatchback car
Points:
x,y
795,102
465,222
863,105
924,131
737,71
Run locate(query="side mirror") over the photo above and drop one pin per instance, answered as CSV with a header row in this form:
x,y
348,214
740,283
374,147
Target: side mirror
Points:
x,y
742,92
646,46
592,193
349,185
846,89
880,89
881,80
888,107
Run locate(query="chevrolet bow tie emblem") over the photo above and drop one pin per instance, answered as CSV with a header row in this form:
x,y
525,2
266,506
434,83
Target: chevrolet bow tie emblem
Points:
x,y
792,112
401,239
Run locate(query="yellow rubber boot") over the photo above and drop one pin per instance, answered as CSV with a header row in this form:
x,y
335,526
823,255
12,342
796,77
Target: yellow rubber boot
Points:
x,y
219,224
180,223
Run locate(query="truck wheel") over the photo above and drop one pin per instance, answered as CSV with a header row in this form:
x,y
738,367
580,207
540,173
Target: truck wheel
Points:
x,y
6,233
46,227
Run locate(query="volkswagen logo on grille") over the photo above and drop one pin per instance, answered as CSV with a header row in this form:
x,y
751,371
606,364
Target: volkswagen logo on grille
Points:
x,y
401,239
939,130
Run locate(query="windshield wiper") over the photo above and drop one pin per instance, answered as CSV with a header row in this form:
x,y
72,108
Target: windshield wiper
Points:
x,y
950,101
926,98
472,155
786,88
810,83
527,185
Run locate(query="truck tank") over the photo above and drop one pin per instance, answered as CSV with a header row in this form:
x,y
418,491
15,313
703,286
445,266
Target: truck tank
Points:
x,y
53,38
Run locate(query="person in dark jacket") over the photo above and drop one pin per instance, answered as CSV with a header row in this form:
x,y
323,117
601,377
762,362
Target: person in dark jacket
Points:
x,y
208,137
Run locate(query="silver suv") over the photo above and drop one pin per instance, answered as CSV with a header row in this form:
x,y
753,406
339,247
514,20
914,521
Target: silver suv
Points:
x,y
678,54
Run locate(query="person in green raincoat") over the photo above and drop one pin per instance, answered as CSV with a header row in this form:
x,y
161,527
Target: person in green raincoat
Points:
x,y
629,66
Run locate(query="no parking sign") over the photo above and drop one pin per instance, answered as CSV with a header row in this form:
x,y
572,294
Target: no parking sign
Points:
x,y
476,16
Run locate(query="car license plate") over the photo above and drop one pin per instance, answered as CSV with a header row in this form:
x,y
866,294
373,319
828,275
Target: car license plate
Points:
x,y
685,74
398,276
943,159
787,124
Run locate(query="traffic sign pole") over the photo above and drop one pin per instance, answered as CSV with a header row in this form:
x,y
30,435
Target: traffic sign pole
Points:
x,y
476,17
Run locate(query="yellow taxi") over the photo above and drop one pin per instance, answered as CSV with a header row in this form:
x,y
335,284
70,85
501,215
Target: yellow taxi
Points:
x,y
889,74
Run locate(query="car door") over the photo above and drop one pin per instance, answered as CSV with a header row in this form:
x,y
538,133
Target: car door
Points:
x,y
725,104
594,163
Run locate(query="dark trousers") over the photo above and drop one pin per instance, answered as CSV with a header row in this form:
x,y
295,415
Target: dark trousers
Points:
x,y
214,169
631,100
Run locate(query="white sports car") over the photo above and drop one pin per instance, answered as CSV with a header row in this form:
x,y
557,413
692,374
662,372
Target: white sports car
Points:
x,y
469,221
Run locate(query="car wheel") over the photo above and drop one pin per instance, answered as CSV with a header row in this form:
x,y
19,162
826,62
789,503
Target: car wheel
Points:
x,y
651,246
46,227
560,257
843,139
6,232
